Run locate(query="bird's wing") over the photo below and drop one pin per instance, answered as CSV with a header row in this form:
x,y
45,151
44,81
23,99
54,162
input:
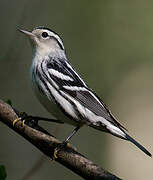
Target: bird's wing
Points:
x,y
89,100
69,82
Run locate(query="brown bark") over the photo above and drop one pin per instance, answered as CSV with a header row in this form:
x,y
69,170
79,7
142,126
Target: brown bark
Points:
x,y
46,143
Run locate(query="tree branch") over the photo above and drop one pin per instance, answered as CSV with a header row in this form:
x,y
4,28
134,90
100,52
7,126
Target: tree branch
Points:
x,y
46,143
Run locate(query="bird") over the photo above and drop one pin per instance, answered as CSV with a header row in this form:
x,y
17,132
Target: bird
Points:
x,y
62,91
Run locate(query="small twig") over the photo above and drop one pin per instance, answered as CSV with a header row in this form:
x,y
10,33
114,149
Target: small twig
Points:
x,y
46,143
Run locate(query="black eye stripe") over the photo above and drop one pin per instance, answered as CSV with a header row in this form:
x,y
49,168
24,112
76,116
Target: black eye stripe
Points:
x,y
45,35
60,45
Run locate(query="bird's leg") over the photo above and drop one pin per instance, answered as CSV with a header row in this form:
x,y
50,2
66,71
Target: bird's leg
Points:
x,y
64,143
38,118
28,118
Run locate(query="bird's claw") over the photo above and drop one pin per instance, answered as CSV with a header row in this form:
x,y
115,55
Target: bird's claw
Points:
x,y
22,118
16,120
54,156
57,149
23,122
55,153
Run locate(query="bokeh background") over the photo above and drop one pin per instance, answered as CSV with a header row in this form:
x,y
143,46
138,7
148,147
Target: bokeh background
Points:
x,y
110,43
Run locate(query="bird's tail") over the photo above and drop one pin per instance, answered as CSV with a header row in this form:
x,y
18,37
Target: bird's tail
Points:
x,y
129,138
119,132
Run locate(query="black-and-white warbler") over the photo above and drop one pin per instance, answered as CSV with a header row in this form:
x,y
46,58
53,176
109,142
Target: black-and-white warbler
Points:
x,y
61,90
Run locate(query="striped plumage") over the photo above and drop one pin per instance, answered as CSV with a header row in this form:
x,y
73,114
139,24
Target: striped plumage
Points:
x,y
62,91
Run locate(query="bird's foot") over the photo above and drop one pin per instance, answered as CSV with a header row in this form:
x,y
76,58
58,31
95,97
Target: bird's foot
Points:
x,y
16,120
58,148
23,117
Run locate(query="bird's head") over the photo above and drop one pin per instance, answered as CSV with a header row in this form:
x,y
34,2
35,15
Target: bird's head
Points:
x,y
44,40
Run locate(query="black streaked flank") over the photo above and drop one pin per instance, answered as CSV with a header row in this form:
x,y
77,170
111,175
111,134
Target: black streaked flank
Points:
x,y
43,79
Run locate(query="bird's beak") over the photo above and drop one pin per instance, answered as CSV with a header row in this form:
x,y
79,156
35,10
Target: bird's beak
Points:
x,y
29,34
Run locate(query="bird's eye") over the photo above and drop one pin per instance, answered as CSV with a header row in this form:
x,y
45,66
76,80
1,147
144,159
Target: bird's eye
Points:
x,y
44,34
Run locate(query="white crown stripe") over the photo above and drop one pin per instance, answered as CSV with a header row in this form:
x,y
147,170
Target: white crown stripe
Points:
x,y
60,75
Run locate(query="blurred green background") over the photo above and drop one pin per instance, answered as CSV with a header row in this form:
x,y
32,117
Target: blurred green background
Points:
x,y
110,43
